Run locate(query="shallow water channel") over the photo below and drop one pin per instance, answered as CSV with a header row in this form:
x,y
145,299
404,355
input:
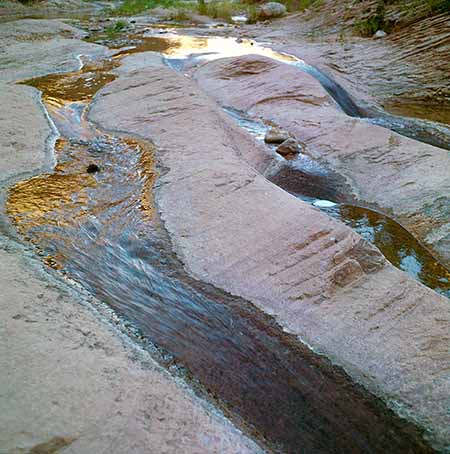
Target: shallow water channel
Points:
x,y
93,218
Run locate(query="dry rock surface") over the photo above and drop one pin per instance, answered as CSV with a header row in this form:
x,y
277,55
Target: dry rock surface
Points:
x,y
271,10
32,48
10,9
320,280
23,130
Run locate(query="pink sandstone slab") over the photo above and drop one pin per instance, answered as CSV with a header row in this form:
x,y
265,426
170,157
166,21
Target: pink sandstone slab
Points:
x,y
236,230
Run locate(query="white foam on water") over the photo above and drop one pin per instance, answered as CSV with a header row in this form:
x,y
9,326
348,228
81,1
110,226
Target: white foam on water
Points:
x,y
324,203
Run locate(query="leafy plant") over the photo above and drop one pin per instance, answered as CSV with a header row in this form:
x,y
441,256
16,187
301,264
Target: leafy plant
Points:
x,y
252,14
113,30
120,25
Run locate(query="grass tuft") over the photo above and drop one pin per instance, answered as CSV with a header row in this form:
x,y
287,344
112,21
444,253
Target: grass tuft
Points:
x,y
131,7
221,9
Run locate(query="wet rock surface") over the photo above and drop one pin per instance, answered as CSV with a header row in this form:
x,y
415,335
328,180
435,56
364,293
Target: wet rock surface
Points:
x,y
276,135
70,381
316,278
92,168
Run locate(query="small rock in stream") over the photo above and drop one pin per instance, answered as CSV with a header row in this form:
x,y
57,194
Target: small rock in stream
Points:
x,y
276,135
290,147
92,168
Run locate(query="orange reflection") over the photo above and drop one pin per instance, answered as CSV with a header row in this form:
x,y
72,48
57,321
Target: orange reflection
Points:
x,y
41,199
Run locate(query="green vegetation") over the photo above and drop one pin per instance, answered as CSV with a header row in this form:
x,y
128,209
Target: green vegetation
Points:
x,y
113,30
439,5
252,14
217,9
119,25
130,7
375,22
222,9
410,9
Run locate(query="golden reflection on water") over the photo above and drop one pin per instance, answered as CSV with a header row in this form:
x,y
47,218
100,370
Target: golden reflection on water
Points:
x,y
77,86
419,109
182,46
49,208
40,199
147,162
57,200
225,47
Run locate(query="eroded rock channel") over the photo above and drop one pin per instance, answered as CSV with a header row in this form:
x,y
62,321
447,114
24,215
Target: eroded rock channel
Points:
x,y
101,227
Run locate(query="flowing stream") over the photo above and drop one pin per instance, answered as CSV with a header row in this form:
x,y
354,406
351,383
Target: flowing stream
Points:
x,y
94,219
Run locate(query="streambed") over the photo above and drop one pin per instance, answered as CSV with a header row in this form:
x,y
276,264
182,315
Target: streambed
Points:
x,y
102,229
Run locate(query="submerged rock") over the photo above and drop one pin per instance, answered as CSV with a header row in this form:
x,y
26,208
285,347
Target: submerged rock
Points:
x,y
271,10
92,168
276,135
